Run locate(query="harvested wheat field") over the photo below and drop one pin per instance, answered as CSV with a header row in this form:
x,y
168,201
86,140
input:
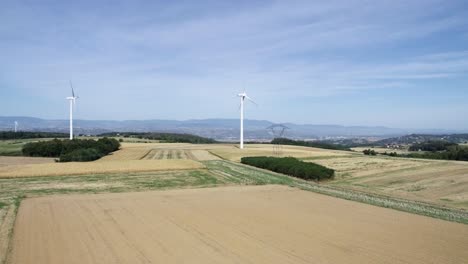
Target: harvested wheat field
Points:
x,y
5,161
97,167
157,151
233,153
256,224
130,151
435,181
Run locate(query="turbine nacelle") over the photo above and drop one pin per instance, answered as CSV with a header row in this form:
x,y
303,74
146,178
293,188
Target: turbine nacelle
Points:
x,y
244,96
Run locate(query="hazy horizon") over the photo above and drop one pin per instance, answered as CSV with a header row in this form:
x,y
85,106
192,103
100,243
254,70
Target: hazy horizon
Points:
x,y
396,64
409,129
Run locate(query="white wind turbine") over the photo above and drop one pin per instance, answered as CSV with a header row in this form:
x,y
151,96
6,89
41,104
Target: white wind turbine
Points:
x,y
16,126
72,100
243,96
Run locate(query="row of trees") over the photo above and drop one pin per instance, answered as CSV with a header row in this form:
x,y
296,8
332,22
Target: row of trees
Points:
x,y
452,153
314,144
434,145
291,166
166,137
72,150
4,135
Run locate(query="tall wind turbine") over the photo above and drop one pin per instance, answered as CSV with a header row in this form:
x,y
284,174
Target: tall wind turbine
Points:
x,y
72,100
16,126
243,96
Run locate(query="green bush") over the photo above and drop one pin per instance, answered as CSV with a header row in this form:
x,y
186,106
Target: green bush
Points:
x,y
370,152
88,154
71,149
292,167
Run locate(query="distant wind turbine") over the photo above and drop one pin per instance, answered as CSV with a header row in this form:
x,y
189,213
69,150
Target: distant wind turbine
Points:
x,y
72,100
243,96
16,126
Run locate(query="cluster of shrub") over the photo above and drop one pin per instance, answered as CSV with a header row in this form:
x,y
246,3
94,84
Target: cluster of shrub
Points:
x,y
369,152
451,153
292,167
166,137
433,145
391,154
72,150
314,144
4,135
442,150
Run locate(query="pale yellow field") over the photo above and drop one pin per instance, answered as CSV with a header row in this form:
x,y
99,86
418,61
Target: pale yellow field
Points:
x,y
203,155
256,224
233,153
361,165
137,151
97,167
156,151
435,181
4,160
130,151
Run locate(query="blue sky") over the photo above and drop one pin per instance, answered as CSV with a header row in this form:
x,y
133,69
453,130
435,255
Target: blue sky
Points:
x,y
393,63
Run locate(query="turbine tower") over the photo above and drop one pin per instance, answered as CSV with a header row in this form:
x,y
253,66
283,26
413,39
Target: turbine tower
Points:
x,y
16,126
72,100
243,96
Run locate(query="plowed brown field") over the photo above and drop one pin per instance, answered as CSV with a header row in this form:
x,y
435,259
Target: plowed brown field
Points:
x,y
258,224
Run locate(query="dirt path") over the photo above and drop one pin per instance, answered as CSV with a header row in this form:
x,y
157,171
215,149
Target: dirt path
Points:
x,y
257,224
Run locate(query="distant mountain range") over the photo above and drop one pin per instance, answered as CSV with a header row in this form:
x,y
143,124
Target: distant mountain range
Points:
x,y
220,129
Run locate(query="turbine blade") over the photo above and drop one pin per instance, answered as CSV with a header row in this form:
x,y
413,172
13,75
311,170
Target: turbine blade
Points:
x,y
73,92
250,99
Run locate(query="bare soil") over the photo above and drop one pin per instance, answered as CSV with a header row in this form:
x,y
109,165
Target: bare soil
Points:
x,y
257,224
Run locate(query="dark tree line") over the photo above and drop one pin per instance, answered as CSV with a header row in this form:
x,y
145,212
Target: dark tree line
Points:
x,y
292,167
4,135
435,150
72,150
166,137
314,144
452,153
433,145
